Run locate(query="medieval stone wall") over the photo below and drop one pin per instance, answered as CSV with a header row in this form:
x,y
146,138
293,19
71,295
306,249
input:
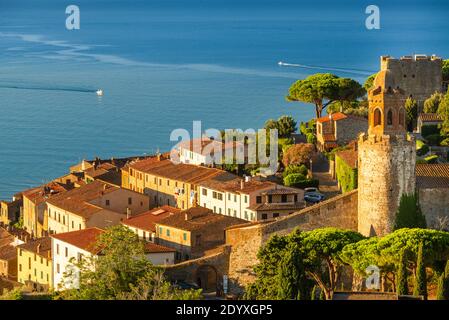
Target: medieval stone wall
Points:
x,y
386,171
348,129
246,240
434,205
187,270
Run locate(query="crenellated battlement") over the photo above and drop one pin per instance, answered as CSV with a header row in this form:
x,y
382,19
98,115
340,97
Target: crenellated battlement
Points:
x,y
386,139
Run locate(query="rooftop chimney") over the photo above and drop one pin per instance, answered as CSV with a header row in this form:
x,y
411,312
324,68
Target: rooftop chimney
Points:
x,y
128,213
38,248
242,184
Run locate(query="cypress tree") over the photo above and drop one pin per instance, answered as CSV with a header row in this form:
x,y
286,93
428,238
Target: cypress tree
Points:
x,y
446,282
313,295
441,287
409,214
322,295
291,275
420,285
402,288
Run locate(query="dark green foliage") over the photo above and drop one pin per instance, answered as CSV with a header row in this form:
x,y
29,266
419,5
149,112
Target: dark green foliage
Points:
x,y
434,139
291,274
308,127
441,287
385,252
322,295
411,108
433,102
298,180
369,81
402,286
346,175
322,89
445,285
267,270
446,70
421,148
409,213
311,138
427,130
313,295
302,169
315,252
420,284
443,112
285,125
431,159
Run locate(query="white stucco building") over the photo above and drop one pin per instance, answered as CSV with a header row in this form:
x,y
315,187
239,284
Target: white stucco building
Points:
x,y
74,245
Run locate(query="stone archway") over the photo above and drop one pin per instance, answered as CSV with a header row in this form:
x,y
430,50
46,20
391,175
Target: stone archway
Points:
x,y
206,277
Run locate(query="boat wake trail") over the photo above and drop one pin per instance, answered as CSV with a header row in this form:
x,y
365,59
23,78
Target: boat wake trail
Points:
x,y
350,71
25,87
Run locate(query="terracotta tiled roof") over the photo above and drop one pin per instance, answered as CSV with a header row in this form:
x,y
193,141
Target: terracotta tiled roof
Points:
x,y
429,176
77,200
200,218
335,116
43,193
231,183
277,206
156,248
44,245
8,252
180,172
202,143
283,190
98,171
430,117
84,239
147,220
6,237
348,156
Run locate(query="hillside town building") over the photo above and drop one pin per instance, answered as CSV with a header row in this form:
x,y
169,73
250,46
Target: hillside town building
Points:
x,y
144,224
96,204
35,268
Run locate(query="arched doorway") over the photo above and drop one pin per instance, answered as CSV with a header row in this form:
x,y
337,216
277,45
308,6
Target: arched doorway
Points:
x,y
207,277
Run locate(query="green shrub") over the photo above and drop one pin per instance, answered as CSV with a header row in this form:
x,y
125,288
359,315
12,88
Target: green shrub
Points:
x,y
445,142
431,159
409,214
420,151
346,176
311,138
434,139
293,178
430,130
299,181
302,169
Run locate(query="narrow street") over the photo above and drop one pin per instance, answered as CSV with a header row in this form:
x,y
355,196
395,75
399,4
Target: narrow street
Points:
x,y
320,171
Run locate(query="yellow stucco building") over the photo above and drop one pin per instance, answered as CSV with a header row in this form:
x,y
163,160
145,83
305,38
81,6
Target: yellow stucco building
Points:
x,y
34,264
167,183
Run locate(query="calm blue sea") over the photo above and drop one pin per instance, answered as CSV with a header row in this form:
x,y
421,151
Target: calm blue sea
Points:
x,y
164,63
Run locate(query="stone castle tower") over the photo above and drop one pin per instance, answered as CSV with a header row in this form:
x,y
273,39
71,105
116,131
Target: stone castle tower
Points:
x,y
386,157
419,76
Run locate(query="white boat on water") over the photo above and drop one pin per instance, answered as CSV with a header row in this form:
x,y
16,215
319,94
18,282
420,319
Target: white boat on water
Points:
x,y
280,63
99,92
